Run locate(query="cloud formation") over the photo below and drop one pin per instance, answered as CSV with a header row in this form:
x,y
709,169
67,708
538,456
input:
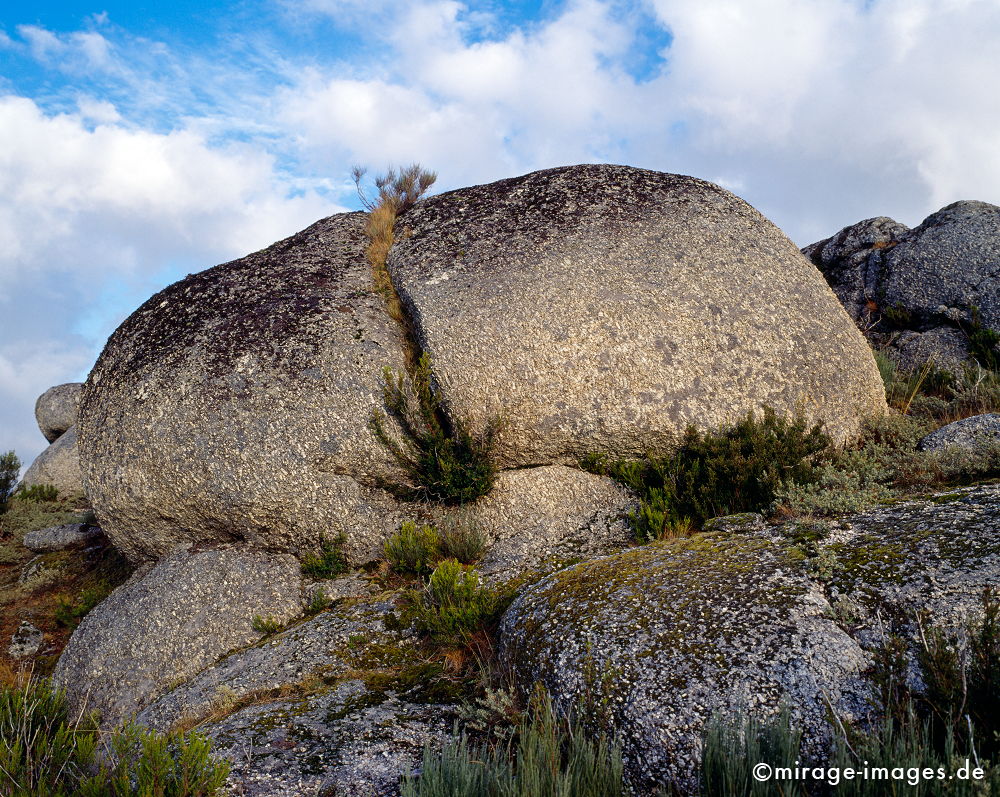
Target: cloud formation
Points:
x,y
146,159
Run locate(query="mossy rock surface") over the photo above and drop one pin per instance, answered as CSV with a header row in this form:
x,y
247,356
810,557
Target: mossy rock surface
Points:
x,y
667,634
343,740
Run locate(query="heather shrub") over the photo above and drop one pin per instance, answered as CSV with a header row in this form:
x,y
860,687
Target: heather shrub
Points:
x,y
552,757
453,604
330,562
414,549
47,752
740,468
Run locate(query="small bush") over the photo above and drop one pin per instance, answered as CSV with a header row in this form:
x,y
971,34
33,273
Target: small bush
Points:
x,y
318,602
444,460
552,758
10,467
44,752
266,625
453,605
414,549
962,677
984,343
738,469
38,493
462,540
330,562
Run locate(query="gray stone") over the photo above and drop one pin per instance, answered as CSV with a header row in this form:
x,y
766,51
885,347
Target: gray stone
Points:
x,y
968,433
603,308
56,409
946,347
58,465
950,260
58,538
539,518
25,641
351,636
341,740
235,404
850,262
923,556
742,523
170,621
680,630
718,622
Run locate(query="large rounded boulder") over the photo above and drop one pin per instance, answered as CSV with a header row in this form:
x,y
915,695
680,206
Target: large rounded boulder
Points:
x,y
583,309
606,308
234,404
56,409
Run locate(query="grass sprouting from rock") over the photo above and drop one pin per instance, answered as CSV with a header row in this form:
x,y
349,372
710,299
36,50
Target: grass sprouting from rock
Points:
x,y
444,461
552,757
330,562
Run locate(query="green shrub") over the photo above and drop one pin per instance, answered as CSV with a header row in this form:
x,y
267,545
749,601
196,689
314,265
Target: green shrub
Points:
x,y
738,469
443,459
552,758
318,602
462,540
454,605
10,467
266,625
38,493
330,562
961,672
46,752
413,549
984,343
69,613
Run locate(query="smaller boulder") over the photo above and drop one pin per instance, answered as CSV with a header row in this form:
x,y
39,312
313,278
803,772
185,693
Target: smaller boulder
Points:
x,y
170,621
56,409
946,347
540,518
59,538
25,641
968,433
742,523
58,465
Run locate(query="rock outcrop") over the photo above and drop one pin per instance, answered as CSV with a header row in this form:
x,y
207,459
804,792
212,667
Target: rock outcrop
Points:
x,y
589,308
167,623
922,290
667,634
58,465
59,538
967,433
56,409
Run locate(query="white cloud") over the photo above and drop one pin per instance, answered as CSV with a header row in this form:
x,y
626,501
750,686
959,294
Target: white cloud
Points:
x,y
91,213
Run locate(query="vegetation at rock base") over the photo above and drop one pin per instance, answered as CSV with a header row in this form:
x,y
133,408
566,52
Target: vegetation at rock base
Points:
x,y
53,591
330,562
45,751
453,605
38,493
443,459
10,467
739,468
415,550
550,756
953,721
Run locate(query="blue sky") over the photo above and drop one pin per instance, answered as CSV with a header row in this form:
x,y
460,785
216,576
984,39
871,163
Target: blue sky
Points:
x,y
143,141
